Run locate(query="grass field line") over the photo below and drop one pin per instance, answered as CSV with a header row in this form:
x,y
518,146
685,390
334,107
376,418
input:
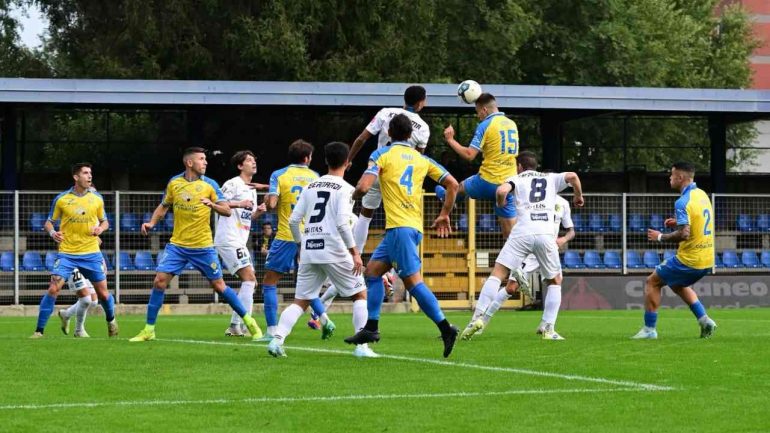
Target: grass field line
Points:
x,y
573,377
304,399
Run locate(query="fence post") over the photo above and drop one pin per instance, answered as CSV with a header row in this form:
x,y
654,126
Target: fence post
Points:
x,y
714,231
471,252
117,247
624,237
16,248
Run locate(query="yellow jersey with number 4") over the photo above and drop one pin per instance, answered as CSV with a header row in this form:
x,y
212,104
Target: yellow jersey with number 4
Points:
x,y
402,170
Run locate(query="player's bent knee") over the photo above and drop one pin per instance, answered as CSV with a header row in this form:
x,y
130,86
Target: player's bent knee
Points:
x,y
160,282
366,212
218,285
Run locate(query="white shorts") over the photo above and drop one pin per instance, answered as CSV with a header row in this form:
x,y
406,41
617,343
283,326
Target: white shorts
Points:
x,y
543,247
234,258
311,276
530,265
77,281
373,198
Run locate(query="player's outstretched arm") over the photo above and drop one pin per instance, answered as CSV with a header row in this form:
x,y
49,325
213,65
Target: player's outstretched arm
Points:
x,y
501,194
364,184
220,207
466,153
358,143
442,222
682,233
573,179
157,215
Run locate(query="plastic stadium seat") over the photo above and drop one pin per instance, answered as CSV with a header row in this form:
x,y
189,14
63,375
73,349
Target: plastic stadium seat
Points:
x,y
744,223
592,260
718,261
596,223
31,261
581,225
612,260
462,223
667,254
6,261
616,223
656,221
487,222
633,260
129,223
108,261
750,259
168,222
111,220
36,221
651,259
126,264
730,259
572,260
764,258
763,222
636,223
143,261
50,259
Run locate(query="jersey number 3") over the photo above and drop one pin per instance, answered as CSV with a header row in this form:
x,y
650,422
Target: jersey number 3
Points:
x,y
320,207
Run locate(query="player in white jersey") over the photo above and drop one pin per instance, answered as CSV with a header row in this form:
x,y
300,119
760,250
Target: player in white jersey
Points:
x,y
535,195
414,100
563,218
86,294
327,249
232,233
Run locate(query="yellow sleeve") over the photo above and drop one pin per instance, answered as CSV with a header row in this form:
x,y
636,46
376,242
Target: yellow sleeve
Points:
x,y
168,196
436,171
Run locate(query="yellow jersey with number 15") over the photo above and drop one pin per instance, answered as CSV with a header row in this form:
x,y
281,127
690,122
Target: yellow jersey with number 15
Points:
x,y
402,170
288,183
497,138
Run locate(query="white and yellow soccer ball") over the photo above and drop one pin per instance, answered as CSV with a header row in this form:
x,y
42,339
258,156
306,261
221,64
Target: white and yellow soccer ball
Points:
x,y
469,91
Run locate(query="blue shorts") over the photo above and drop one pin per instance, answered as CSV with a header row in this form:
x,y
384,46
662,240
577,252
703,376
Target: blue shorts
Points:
x,y
675,274
478,188
399,248
91,266
204,260
282,257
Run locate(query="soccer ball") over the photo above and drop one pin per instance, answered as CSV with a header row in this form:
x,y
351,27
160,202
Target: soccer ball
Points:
x,y
468,91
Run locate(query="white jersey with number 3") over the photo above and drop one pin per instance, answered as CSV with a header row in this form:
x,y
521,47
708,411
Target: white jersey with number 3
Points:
x,y
381,122
536,198
233,231
325,205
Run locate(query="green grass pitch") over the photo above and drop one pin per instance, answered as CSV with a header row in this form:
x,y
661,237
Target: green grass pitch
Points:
x,y
195,379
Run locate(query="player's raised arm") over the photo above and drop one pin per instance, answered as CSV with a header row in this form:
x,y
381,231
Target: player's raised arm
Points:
x,y
573,179
467,153
358,143
369,176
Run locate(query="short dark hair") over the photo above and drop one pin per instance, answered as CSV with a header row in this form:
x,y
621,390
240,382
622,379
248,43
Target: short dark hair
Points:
x,y
190,150
240,156
78,165
413,95
485,98
299,150
684,166
336,154
267,223
400,128
527,159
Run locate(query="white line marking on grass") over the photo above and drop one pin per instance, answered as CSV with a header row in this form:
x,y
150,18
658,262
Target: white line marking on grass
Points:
x,y
624,383
304,399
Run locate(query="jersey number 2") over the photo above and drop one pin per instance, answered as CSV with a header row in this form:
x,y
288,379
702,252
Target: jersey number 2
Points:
x,y
406,179
707,215
320,206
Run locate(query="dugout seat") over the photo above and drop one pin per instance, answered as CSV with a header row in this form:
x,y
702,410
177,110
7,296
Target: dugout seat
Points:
x,y
580,224
636,223
651,259
633,260
7,261
462,223
764,258
572,260
111,220
718,261
749,259
31,261
612,260
763,223
36,221
129,222
656,221
592,260
616,223
126,264
143,261
744,223
596,223
108,262
487,222
730,259
168,222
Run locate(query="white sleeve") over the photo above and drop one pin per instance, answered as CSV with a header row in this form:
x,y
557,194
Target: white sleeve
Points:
x,y
344,214
559,181
296,217
422,136
375,126
566,216
229,190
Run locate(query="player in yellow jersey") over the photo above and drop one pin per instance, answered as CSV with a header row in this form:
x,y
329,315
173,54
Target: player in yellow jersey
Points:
x,y
81,212
497,138
401,171
193,196
694,258
286,185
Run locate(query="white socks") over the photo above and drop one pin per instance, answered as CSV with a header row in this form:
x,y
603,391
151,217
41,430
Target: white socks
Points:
x,y
552,304
246,296
288,319
360,314
487,295
361,231
500,298
83,305
328,297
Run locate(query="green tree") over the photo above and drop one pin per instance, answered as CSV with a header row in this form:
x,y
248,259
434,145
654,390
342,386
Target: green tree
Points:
x,y
17,60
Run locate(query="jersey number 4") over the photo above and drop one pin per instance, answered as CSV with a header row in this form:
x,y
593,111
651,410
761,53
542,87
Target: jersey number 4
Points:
x,y
320,207
406,179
